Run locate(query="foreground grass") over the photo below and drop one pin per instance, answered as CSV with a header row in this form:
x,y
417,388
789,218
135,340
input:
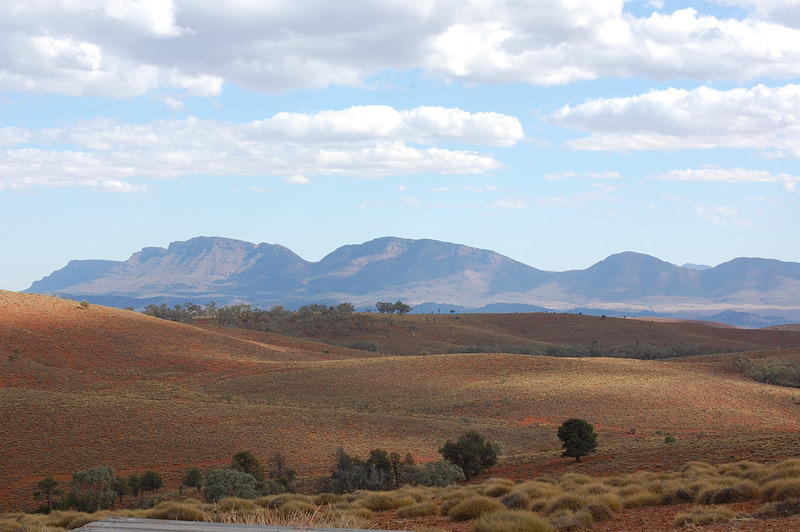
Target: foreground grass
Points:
x,y
568,502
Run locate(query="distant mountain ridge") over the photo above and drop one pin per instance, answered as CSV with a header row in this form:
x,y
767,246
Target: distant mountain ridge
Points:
x,y
418,271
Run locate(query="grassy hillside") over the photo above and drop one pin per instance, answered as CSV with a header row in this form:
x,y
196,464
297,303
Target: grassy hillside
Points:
x,y
88,386
537,333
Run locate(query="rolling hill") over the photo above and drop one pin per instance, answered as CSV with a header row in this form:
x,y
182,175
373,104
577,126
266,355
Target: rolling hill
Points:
x,y
87,386
419,271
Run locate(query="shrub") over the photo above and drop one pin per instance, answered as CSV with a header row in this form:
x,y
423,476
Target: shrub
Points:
x,y
742,491
472,453
569,520
517,500
221,483
296,507
378,502
245,462
779,509
782,490
176,512
235,504
418,510
512,522
474,507
193,478
703,517
431,474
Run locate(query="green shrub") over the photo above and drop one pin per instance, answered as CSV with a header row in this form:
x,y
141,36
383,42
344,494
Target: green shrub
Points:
x,y
418,510
474,507
221,483
512,522
472,453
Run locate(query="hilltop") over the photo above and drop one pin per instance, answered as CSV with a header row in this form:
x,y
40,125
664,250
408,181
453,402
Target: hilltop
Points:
x,y
89,386
744,291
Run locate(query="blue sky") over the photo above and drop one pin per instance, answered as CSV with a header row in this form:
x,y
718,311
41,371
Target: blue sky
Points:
x,y
554,132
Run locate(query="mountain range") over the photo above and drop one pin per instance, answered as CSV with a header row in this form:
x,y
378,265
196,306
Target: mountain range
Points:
x,y
424,271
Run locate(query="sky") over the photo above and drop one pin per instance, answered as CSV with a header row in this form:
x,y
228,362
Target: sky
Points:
x,y
556,132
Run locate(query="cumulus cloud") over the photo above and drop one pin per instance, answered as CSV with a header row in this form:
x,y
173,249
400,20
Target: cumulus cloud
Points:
x,y
763,118
121,48
508,204
345,142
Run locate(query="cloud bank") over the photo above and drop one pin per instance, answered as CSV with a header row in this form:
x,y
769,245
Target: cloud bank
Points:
x,y
122,48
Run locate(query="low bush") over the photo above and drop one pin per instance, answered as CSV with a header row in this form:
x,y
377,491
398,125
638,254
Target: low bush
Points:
x,y
518,500
567,501
781,490
327,498
569,520
774,510
235,504
512,522
704,516
474,507
176,511
742,491
379,502
418,510
296,507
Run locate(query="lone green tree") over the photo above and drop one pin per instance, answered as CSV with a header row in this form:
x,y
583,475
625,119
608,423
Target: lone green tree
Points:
x,y
577,438
472,453
193,479
46,490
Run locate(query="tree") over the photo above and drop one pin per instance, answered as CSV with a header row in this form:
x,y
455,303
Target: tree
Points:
x,y
246,463
578,438
152,481
282,473
193,479
400,307
47,489
384,307
472,453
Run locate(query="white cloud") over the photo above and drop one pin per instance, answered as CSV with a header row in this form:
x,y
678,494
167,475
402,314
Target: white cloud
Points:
x,y
722,215
326,143
441,189
583,175
480,190
760,117
175,104
297,179
412,201
730,175
508,204
123,48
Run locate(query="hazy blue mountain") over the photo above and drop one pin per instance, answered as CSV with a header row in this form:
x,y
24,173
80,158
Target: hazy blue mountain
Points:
x,y
417,271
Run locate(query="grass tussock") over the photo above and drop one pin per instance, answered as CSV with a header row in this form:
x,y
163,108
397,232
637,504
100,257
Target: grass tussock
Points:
x,y
512,522
322,499
567,501
474,507
418,510
775,510
742,491
569,520
176,511
704,516
235,504
379,502
320,517
518,500
781,490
